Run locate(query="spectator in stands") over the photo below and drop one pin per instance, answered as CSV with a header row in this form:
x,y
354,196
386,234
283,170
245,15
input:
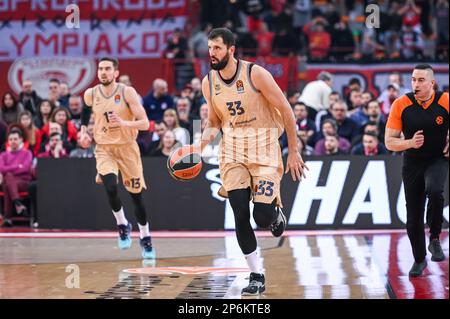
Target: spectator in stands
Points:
x,y
54,148
386,100
376,116
329,128
64,94
125,79
326,114
3,132
304,123
347,128
160,129
247,44
369,112
198,43
303,149
319,39
69,133
368,127
441,12
75,108
411,15
31,132
355,102
88,152
301,13
158,100
354,84
265,39
292,97
332,145
396,78
366,96
285,43
409,41
15,174
356,19
173,124
197,99
54,91
306,149
45,110
10,109
315,94
18,128
342,42
183,106
427,44
177,46
29,98
165,146
370,146
370,48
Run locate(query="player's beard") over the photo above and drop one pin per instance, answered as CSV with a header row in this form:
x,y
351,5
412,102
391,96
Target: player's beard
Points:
x,y
221,64
105,82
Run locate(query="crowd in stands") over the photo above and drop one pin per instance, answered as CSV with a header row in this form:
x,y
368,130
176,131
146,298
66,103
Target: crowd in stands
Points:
x,y
333,30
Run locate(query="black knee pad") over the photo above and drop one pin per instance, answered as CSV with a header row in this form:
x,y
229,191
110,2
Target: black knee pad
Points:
x,y
139,208
110,183
239,201
264,214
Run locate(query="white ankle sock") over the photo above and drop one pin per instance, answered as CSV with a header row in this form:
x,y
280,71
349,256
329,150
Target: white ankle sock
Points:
x,y
144,230
253,262
120,217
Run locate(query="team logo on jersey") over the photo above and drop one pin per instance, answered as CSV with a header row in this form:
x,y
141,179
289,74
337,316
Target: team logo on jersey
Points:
x,y
127,183
240,86
439,120
117,99
217,87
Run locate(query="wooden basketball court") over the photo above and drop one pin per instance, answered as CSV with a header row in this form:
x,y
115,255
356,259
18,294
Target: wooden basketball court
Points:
x,y
210,265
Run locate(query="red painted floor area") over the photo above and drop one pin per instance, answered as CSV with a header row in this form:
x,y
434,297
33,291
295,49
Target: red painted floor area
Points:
x,y
394,255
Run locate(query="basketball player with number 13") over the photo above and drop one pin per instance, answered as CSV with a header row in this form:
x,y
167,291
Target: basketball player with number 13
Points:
x,y
118,117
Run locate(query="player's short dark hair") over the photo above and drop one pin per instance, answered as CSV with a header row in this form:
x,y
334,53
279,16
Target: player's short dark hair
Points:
x,y
226,35
423,66
115,62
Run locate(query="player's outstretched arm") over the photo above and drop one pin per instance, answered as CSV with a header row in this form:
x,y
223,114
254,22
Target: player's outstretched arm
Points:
x,y
141,123
265,83
213,124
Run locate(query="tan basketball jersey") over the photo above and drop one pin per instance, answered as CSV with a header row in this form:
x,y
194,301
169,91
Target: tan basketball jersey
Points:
x,y
251,126
104,131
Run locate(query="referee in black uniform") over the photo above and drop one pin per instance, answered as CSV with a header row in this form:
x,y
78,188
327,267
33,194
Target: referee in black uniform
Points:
x,y
422,116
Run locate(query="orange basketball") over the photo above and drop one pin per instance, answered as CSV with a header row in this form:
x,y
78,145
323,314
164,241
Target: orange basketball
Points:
x,y
184,164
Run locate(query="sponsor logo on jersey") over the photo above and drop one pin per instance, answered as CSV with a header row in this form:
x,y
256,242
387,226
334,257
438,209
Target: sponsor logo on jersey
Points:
x,y
240,86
